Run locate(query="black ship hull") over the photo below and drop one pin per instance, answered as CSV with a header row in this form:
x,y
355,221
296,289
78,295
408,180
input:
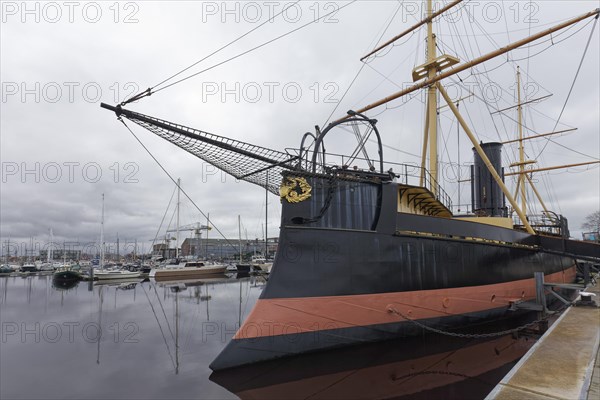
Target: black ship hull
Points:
x,y
368,273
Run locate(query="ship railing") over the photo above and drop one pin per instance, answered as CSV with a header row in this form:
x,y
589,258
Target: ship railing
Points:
x,y
403,173
462,209
549,224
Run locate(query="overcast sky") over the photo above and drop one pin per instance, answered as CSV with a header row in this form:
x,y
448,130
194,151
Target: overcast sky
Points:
x,y
60,151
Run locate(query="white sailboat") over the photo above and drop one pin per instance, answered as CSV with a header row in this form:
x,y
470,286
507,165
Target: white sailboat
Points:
x,y
113,273
185,269
48,266
178,271
29,266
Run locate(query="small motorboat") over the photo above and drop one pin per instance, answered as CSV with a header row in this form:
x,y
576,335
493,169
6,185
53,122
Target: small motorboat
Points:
x,y
116,274
180,270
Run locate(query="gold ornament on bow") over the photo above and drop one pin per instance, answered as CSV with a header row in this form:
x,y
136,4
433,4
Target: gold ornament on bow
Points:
x,y
294,190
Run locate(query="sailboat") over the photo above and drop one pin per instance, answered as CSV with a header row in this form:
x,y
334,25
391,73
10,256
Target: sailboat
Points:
x,y
6,268
185,269
368,253
65,275
29,266
111,273
48,265
241,266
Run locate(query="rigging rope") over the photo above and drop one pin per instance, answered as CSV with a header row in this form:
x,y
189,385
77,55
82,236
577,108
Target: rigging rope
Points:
x,y
175,182
569,94
149,91
163,218
228,44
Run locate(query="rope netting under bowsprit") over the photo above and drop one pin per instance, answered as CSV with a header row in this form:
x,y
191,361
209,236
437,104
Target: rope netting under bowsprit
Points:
x,y
244,161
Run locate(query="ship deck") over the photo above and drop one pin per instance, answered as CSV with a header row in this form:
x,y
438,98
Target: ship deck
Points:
x,y
564,362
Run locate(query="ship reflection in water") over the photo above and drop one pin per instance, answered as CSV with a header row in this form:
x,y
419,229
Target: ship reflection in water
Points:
x,y
429,367
155,340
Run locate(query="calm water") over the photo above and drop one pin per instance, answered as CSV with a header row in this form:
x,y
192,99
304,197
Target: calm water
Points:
x,y
155,340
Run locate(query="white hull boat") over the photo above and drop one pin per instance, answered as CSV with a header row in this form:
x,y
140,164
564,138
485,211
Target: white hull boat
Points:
x,y
103,275
181,271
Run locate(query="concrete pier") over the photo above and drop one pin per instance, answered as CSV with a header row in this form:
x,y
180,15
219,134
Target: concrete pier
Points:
x,y
563,364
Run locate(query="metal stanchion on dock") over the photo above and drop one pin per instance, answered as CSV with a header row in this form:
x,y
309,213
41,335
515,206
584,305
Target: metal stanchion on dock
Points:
x,y
565,353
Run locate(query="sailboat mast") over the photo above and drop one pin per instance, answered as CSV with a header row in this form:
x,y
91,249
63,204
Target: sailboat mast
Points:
x,y
102,236
266,214
177,231
432,100
521,180
50,248
207,229
240,236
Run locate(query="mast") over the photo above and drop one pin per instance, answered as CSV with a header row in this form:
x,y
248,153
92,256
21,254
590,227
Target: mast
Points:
x,y
539,136
429,18
177,234
50,252
240,236
474,62
427,75
266,214
207,229
523,177
102,236
521,151
555,167
485,159
431,101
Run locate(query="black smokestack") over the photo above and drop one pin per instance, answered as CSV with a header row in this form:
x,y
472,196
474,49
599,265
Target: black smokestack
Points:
x,y
488,199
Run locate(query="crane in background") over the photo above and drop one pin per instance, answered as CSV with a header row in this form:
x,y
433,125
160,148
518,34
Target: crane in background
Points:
x,y
197,229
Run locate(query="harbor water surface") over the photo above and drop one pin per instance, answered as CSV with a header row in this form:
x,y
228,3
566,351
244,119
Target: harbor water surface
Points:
x,y
146,339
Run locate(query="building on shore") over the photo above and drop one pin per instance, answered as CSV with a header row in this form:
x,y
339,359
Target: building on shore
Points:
x,y
226,248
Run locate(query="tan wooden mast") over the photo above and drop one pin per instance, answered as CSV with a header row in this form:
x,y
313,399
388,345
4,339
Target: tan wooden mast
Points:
x,y
431,73
523,173
521,150
429,81
431,102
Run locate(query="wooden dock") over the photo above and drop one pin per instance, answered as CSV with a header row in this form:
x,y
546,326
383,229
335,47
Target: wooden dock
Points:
x,y
563,364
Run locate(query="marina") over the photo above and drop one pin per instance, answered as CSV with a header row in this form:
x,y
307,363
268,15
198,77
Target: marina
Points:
x,y
116,339
427,230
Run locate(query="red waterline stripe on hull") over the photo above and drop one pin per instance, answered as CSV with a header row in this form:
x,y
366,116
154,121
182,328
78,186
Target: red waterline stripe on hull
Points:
x,y
285,316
